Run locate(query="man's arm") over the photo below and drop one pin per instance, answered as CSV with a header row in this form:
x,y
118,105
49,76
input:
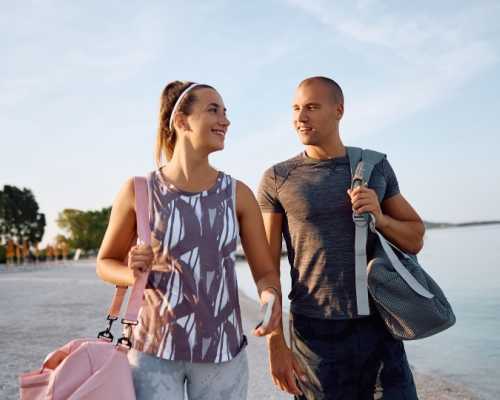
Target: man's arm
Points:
x,y
395,218
402,225
284,366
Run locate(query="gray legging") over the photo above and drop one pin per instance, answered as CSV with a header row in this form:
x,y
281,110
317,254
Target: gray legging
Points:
x,y
158,379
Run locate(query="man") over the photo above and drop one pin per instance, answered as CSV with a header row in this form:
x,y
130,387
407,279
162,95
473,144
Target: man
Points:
x,y
335,353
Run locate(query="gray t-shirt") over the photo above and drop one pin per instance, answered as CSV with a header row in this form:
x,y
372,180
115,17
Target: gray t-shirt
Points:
x,y
318,229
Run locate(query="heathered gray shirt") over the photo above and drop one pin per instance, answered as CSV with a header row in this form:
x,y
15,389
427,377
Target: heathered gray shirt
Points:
x,y
318,229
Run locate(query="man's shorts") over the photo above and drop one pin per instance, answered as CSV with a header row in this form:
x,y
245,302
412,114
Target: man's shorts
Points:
x,y
346,359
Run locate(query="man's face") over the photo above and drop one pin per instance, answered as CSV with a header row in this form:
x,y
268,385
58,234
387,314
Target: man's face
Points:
x,y
315,113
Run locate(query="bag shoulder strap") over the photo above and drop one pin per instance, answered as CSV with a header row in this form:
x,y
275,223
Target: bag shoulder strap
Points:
x,y
354,155
415,285
143,236
362,162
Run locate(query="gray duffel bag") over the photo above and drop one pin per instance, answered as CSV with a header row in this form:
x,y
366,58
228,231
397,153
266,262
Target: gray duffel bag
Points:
x,y
409,301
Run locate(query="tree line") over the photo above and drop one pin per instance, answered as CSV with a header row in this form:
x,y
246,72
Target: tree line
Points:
x,y
22,226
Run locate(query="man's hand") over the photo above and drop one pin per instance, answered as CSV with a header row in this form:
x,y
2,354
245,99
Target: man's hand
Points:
x,y
365,200
285,369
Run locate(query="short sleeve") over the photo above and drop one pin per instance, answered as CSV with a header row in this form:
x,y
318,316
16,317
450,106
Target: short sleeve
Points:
x,y
392,187
267,195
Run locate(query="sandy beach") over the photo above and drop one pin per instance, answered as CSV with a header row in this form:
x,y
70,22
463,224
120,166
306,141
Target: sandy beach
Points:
x,y
44,307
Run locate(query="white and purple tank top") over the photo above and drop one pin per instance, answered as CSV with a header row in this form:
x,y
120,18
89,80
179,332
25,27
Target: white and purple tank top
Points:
x,y
191,308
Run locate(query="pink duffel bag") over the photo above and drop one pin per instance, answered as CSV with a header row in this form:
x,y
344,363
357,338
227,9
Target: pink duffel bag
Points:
x,y
95,369
81,369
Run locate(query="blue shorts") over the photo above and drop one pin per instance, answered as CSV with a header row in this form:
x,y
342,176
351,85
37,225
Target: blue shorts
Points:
x,y
348,359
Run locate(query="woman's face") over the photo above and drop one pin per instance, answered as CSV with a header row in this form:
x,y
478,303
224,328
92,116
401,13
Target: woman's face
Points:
x,y
207,122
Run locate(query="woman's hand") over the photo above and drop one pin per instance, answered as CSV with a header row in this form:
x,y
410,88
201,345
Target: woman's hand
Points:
x,y
265,297
140,259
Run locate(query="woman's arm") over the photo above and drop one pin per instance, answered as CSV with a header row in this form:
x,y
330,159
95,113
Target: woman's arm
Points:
x,y
113,265
253,240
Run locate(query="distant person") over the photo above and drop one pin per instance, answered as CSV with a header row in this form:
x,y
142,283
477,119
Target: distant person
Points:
x,y
57,251
10,251
19,254
36,251
64,250
49,252
190,328
26,251
336,353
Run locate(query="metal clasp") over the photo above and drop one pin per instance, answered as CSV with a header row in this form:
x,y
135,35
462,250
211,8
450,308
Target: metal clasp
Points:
x,y
106,334
127,333
359,219
357,181
373,222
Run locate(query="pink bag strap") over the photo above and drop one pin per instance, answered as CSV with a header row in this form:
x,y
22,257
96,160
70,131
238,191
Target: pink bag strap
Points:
x,y
144,237
116,303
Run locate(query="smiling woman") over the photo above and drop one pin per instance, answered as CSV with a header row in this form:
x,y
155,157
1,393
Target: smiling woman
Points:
x,y
189,330
177,98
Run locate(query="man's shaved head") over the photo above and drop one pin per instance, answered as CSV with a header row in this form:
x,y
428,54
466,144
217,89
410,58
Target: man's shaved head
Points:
x,y
336,90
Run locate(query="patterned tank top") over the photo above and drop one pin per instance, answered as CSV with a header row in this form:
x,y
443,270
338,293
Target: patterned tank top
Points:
x,y
191,308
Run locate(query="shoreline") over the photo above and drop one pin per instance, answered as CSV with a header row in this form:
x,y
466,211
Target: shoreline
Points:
x,y
429,387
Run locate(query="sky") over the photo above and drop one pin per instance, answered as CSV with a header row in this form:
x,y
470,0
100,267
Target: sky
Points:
x,y
80,84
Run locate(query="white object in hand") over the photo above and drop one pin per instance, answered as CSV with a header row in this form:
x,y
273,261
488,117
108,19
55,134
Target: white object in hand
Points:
x,y
268,311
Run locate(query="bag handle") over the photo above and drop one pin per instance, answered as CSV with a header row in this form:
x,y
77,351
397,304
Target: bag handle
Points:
x,y
362,162
143,237
398,265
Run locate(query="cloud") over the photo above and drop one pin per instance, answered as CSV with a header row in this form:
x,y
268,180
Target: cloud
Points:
x,y
426,58
54,48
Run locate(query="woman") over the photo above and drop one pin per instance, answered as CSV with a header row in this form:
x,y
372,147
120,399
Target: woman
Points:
x,y
190,326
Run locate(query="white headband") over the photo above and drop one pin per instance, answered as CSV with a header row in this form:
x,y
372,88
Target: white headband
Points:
x,y
174,110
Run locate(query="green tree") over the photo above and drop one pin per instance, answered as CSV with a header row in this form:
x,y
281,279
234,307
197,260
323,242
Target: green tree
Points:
x,y
19,216
85,228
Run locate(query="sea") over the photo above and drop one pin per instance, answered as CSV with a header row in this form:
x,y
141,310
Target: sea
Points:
x,y
465,262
